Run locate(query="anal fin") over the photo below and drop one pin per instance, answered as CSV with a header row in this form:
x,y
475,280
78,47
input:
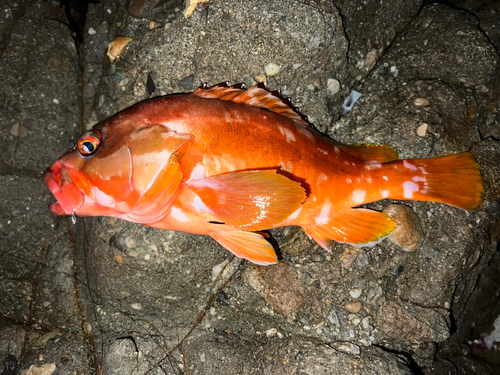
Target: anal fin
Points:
x,y
358,226
247,245
250,200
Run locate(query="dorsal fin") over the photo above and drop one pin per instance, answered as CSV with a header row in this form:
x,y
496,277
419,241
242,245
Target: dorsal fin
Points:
x,y
257,96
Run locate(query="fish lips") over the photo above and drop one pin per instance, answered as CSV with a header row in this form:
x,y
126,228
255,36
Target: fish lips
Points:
x,y
69,197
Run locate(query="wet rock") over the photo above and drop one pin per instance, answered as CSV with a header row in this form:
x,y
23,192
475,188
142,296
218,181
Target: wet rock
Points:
x,y
279,285
408,233
399,323
276,356
122,355
152,8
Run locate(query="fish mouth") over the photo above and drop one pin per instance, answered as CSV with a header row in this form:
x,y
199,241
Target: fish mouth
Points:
x,y
69,197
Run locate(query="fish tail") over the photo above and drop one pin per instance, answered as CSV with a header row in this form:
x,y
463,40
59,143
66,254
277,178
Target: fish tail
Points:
x,y
455,180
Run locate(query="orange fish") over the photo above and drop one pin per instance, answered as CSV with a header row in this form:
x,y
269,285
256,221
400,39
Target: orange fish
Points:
x,y
231,163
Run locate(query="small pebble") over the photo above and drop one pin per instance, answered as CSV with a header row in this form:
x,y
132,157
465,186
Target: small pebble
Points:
x,y
421,102
87,328
46,303
371,59
152,25
18,130
397,271
349,256
272,69
222,298
311,87
271,332
422,130
447,305
136,306
56,101
355,293
493,206
333,86
353,306
408,233
362,260
261,79
92,31
119,259
118,47
46,369
350,348
316,257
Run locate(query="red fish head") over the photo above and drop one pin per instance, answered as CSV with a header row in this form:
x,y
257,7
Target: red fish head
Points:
x,y
92,179
123,168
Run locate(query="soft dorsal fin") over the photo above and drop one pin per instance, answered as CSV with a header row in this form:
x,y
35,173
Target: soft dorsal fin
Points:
x,y
257,96
371,153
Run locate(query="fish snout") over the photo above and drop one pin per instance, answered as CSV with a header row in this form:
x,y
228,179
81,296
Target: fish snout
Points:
x,y
69,197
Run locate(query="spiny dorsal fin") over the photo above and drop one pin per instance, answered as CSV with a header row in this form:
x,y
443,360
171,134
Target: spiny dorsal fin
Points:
x,y
257,96
371,153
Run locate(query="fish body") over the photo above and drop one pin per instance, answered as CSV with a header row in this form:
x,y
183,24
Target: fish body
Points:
x,y
230,163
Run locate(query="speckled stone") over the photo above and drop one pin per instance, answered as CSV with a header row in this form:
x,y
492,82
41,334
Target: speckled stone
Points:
x,y
408,233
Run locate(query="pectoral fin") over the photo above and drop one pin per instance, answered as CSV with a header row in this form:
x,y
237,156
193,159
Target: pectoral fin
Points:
x,y
250,200
357,226
247,245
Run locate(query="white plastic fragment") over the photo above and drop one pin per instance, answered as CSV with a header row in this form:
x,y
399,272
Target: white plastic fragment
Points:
x,y
350,101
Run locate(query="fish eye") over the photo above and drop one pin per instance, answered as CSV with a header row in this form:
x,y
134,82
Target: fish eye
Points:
x,y
89,143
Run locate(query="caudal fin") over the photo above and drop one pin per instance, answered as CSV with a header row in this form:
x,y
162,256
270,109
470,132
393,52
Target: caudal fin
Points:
x,y
454,180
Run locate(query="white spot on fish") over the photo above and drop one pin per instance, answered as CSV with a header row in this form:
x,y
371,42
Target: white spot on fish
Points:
x,y
295,214
103,198
385,194
287,134
369,180
385,178
417,178
178,215
410,188
322,151
358,196
409,165
198,203
322,177
287,167
348,180
422,169
324,215
198,172
373,166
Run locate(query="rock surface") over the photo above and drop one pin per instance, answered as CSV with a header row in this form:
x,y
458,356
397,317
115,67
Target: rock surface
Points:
x,y
110,297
